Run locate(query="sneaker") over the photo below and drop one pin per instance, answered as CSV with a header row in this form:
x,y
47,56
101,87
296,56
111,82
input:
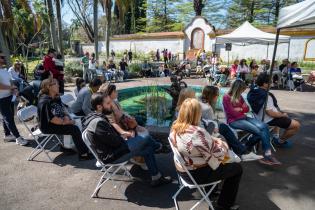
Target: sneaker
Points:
x,y
142,165
9,138
251,157
269,160
21,141
86,156
98,164
277,143
161,181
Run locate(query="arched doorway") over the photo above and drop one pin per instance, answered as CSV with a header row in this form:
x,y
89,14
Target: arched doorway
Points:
x,y
197,39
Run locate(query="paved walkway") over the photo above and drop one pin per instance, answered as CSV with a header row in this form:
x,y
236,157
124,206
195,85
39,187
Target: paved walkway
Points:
x,y
68,184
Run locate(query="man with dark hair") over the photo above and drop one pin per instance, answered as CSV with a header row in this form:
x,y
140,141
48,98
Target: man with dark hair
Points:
x,y
82,105
111,147
273,115
7,94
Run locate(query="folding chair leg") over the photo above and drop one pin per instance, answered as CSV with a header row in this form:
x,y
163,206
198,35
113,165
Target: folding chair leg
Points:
x,y
102,181
39,148
205,196
175,195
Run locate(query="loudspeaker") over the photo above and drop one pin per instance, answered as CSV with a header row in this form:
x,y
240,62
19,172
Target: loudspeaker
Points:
x,y
228,46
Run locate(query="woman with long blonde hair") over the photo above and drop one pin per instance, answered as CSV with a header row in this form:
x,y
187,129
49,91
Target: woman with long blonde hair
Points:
x,y
204,155
236,108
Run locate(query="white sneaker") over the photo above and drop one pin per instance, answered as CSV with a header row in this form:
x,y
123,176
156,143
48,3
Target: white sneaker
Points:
x,y
21,141
98,164
250,157
9,138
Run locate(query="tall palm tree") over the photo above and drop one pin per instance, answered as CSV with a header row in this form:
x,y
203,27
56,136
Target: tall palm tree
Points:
x,y
107,7
59,22
198,6
52,24
95,17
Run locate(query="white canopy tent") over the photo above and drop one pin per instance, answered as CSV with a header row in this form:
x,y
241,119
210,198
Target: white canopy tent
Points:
x,y
297,15
248,34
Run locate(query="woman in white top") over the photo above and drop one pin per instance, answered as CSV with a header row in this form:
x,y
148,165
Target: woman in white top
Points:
x,y
92,67
205,156
242,69
15,73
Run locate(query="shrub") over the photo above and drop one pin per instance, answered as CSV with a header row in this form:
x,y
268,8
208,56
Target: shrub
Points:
x,y
73,68
135,67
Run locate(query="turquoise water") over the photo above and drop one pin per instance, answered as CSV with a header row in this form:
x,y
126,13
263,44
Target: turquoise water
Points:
x,y
152,105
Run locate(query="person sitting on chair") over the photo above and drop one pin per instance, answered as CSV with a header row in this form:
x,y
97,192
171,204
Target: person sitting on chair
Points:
x,y
146,69
111,147
236,108
15,73
295,74
82,105
205,156
208,102
273,116
53,118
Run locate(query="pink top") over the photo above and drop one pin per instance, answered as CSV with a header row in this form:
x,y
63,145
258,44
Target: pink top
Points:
x,y
233,69
229,109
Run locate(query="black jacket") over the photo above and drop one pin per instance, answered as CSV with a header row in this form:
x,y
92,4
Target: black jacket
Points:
x,y
256,98
108,143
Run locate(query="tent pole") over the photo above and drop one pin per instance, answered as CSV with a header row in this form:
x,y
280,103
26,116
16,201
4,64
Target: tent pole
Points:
x,y
271,70
289,45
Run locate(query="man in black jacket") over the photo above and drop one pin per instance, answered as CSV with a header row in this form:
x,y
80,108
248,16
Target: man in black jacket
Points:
x,y
111,147
273,116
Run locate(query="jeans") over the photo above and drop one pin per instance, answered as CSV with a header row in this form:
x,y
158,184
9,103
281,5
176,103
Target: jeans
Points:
x,y
255,127
126,74
231,173
7,111
231,139
72,130
85,73
145,147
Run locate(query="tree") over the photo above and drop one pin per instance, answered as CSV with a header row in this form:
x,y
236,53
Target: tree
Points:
x,y
198,6
59,21
52,24
95,15
5,19
82,10
107,7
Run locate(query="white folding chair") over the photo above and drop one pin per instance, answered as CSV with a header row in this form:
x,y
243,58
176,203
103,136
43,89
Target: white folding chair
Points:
x,y
109,170
182,183
67,99
31,112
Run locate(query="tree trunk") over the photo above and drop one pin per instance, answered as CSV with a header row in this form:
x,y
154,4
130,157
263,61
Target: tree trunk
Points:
x,y
277,10
59,21
52,24
198,6
252,8
109,21
165,14
95,15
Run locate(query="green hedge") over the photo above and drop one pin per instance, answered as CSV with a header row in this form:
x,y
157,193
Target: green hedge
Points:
x,y
73,68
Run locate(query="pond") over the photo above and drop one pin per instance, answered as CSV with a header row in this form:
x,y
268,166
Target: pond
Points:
x,y
151,105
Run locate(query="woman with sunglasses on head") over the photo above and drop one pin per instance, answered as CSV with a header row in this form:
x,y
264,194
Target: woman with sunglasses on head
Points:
x,y
236,108
54,119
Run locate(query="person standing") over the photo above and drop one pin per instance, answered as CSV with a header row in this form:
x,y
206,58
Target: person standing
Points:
x,y
157,55
123,67
85,65
112,53
165,55
92,67
7,92
130,56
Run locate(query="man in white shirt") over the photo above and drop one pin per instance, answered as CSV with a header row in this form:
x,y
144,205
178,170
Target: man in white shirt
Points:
x,y
275,117
6,105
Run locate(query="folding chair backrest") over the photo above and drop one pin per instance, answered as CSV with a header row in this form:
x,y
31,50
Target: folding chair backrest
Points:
x,y
180,161
67,99
87,140
25,114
